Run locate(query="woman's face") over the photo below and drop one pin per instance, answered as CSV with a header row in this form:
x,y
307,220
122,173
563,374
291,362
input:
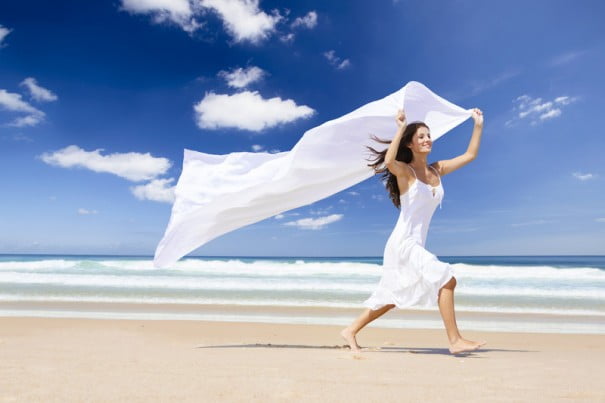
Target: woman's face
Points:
x,y
421,141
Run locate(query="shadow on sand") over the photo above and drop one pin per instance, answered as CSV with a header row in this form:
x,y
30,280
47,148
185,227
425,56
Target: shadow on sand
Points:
x,y
344,347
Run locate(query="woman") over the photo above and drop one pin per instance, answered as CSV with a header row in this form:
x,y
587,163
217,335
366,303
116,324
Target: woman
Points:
x,y
412,276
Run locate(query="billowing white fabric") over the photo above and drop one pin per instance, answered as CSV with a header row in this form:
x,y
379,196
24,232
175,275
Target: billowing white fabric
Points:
x,y
216,194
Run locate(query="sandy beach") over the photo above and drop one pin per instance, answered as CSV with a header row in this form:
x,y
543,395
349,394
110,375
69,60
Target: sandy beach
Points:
x,y
61,360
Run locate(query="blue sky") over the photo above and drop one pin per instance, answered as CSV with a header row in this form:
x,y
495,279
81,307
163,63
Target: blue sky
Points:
x,y
98,100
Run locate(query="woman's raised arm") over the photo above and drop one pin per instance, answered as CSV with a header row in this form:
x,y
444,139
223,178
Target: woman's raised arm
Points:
x,y
395,167
447,166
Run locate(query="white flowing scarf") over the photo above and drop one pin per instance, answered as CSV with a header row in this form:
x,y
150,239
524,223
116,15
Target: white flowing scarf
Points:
x,y
216,194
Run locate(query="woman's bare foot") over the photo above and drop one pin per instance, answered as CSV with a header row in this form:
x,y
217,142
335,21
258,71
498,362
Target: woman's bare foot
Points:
x,y
350,339
463,346
479,343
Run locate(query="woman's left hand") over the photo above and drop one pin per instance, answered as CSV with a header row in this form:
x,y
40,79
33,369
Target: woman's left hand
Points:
x,y
477,116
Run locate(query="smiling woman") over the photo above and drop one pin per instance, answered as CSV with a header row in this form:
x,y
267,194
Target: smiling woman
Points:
x,y
411,275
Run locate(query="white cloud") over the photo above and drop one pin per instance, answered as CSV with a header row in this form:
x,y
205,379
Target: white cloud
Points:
x,y
13,102
30,120
566,58
553,113
583,177
315,223
536,110
284,215
288,38
321,211
241,78
353,193
173,7
247,111
308,21
243,20
37,92
157,190
257,147
3,33
179,12
83,211
336,61
602,219
132,166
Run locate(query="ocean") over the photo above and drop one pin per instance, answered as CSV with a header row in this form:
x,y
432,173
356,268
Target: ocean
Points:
x,y
563,294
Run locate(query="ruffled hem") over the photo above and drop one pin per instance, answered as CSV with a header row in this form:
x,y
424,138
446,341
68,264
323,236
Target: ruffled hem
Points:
x,y
422,295
415,281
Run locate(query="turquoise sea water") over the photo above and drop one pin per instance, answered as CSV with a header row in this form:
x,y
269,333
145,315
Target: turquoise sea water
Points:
x,y
567,286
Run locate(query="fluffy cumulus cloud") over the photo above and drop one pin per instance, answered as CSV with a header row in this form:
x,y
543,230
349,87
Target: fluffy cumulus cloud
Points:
x,y
315,223
14,103
179,12
536,110
132,166
241,78
243,19
309,21
159,190
37,92
336,61
3,33
247,111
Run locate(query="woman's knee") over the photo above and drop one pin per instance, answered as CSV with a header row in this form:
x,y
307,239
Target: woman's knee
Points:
x,y
450,285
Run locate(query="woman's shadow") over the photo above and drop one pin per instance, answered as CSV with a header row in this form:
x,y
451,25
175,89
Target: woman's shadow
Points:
x,y
344,347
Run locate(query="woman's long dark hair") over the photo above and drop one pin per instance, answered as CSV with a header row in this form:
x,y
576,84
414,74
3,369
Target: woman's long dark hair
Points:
x,y
404,154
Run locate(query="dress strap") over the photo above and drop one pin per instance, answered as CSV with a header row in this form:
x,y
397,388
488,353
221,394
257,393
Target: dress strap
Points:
x,y
412,169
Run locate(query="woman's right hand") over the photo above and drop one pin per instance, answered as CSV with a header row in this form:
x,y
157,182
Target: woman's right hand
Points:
x,y
400,118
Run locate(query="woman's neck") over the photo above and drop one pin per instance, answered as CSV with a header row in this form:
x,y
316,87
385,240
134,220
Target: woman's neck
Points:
x,y
419,161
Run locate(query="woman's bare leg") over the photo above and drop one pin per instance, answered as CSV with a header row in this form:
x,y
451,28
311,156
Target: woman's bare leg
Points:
x,y
366,317
458,344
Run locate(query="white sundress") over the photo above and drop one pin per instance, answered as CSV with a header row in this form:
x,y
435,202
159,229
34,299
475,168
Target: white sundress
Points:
x,y
412,276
